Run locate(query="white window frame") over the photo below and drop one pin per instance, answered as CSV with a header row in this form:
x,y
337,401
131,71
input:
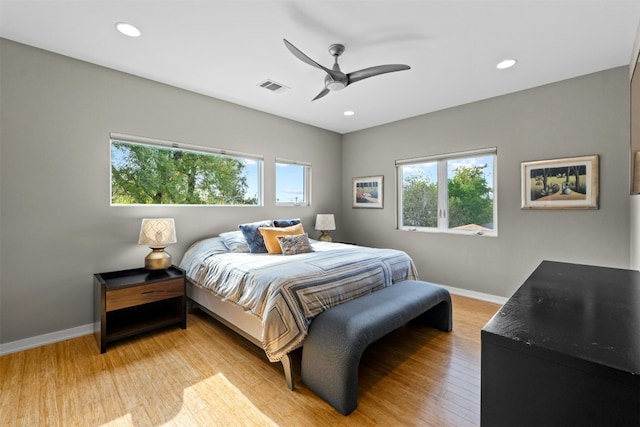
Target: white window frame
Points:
x,y
443,197
120,137
306,185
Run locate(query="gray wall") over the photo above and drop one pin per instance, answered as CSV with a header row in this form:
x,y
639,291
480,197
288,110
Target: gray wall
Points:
x,y
582,116
57,226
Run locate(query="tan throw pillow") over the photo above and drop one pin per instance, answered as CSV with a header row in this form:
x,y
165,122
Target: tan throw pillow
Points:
x,y
269,234
296,244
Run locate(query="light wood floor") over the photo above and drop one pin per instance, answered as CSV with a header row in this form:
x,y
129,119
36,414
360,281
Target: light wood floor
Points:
x,y
208,376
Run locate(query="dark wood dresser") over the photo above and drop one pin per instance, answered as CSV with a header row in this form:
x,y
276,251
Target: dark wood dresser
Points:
x,y
565,350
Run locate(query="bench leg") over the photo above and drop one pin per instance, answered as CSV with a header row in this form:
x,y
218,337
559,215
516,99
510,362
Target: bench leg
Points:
x,y
330,367
439,317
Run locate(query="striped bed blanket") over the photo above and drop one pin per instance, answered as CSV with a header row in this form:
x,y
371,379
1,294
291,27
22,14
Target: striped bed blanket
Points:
x,y
286,292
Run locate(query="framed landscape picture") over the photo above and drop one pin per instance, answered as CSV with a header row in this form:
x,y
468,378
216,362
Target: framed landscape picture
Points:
x,y
367,192
570,183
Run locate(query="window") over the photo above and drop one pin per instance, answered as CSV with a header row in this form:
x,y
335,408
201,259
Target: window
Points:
x,y
293,183
145,171
452,193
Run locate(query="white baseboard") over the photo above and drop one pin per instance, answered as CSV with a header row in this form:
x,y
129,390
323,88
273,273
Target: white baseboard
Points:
x,y
27,343
476,295
37,341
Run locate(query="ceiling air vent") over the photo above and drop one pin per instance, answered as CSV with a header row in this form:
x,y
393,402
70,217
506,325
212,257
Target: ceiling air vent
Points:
x,y
274,86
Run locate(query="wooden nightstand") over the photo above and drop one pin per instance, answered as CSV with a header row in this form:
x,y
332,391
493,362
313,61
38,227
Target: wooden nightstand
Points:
x,y
131,302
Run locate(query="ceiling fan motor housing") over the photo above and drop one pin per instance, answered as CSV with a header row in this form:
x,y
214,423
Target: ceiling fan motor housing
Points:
x,y
332,84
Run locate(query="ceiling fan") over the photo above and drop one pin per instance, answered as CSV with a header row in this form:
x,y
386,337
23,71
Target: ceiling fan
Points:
x,y
335,78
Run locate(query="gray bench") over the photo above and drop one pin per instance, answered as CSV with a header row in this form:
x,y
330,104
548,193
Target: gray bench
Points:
x,y
338,336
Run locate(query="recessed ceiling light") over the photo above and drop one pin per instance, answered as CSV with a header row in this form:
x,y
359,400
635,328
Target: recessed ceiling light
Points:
x,y
128,29
507,63
349,113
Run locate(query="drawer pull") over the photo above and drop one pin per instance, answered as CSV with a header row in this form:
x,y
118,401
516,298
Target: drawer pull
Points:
x,y
148,292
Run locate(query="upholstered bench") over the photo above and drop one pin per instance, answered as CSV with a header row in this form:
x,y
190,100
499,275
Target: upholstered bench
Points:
x,y
338,336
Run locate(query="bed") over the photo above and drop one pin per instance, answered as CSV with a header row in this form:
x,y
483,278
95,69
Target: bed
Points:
x,y
271,299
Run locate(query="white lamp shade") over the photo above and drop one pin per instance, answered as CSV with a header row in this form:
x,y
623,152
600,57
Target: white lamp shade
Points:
x,y
158,232
325,222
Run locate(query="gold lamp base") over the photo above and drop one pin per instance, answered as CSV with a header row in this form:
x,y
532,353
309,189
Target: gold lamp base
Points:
x,y
157,259
325,236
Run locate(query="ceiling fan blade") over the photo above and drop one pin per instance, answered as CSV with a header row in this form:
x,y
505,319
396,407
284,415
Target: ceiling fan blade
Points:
x,y
304,58
321,94
365,73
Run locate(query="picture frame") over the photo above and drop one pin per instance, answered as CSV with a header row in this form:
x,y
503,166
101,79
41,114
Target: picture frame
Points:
x,y
635,185
368,192
568,183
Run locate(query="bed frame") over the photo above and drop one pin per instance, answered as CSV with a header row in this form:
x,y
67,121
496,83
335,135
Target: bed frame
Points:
x,y
235,318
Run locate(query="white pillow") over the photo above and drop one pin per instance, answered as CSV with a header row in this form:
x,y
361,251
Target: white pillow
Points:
x,y
235,241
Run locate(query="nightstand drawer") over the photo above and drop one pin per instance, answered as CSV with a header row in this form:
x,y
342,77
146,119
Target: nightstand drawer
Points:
x,y
137,295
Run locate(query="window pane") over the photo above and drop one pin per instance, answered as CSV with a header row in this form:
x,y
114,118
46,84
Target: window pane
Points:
x,y
291,184
470,193
420,195
149,174
449,193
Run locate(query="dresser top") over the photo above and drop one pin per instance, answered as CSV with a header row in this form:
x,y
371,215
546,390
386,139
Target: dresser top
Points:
x,y
584,312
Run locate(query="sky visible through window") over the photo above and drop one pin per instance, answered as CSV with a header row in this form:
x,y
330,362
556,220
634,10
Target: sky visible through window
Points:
x,y
289,183
251,172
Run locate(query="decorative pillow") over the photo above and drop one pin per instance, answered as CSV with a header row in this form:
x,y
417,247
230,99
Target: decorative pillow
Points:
x,y
270,235
295,244
253,237
286,222
235,241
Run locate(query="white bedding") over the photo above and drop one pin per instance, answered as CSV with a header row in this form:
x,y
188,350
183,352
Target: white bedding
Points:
x,y
286,292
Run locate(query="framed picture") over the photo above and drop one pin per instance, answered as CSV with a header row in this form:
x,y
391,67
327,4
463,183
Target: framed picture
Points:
x,y
367,192
570,183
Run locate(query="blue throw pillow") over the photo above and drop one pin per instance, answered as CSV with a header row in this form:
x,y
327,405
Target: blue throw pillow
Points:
x,y
253,237
286,222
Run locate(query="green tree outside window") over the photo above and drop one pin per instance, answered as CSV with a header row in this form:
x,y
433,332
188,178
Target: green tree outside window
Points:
x,y
148,174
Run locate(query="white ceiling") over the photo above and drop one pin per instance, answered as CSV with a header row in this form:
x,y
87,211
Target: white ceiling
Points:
x,y
224,49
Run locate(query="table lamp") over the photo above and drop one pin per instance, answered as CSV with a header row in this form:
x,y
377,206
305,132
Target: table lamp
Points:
x,y
325,223
157,233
